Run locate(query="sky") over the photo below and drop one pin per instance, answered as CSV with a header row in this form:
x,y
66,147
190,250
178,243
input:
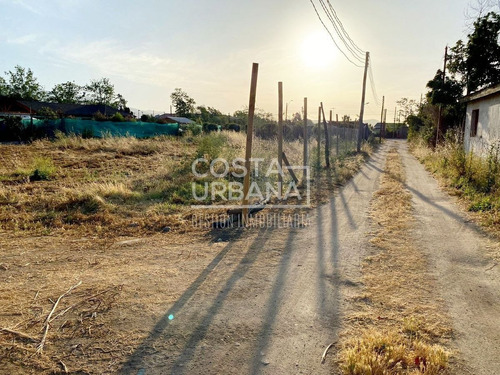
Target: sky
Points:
x,y
207,47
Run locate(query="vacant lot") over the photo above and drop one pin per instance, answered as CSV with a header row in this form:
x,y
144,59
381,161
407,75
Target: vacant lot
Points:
x,y
97,242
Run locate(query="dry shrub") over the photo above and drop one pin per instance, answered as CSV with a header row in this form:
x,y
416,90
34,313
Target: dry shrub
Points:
x,y
384,353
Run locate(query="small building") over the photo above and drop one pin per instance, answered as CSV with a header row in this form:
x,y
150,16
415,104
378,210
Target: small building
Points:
x,y
482,121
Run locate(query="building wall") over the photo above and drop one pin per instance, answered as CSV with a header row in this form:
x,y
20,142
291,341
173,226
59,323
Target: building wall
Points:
x,y
488,128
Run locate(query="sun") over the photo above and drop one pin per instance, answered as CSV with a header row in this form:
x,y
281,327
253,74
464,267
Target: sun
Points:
x,y
317,50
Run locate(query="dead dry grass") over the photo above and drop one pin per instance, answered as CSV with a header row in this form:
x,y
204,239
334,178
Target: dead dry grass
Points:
x,y
398,324
101,218
128,186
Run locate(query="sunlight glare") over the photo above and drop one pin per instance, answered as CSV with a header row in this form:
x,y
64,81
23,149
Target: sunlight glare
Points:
x,y
318,51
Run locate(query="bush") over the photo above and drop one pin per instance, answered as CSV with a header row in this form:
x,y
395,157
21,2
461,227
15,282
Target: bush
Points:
x,y
234,127
211,146
209,127
117,117
98,116
43,169
194,129
12,129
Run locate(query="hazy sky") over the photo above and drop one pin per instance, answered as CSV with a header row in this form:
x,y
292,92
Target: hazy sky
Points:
x,y
206,47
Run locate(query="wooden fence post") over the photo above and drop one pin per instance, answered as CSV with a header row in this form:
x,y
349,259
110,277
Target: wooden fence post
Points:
x,y
338,131
327,139
306,139
318,137
248,150
280,138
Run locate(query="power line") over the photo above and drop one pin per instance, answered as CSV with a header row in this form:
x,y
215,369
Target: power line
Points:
x,y
343,29
331,36
340,34
372,83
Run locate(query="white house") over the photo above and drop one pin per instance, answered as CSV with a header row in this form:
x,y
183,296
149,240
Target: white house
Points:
x,y
482,122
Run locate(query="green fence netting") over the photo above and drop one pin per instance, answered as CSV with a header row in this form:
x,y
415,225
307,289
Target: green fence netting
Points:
x,y
105,128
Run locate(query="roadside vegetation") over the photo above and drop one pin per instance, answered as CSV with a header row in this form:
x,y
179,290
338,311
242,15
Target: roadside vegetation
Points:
x,y
436,124
474,179
396,325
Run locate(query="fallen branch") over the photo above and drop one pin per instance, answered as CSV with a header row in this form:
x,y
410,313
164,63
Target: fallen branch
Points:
x,y
80,302
17,333
323,358
39,349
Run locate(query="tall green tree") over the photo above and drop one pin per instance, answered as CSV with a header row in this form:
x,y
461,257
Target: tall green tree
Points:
x,y
483,53
100,91
68,92
476,64
443,91
182,102
22,84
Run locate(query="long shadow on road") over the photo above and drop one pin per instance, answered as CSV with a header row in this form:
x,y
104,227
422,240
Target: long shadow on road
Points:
x,y
140,356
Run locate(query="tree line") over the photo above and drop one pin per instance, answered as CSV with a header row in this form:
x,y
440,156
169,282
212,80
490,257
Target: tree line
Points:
x,y
21,83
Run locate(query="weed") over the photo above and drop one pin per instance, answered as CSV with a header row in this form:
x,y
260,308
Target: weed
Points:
x,y
43,169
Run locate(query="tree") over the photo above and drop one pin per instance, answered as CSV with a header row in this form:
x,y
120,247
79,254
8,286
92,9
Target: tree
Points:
x,y
408,107
476,65
100,92
443,93
4,89
68,92
483,53
22,84
182,102
120,103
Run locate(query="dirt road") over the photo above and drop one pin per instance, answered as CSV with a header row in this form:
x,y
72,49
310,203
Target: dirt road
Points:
x,y
469,280
270,303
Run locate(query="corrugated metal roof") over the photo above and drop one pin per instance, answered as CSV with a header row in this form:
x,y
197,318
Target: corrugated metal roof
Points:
x,y
179,120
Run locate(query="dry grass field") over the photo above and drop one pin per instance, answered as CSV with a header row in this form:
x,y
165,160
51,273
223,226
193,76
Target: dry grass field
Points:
x,y
97,241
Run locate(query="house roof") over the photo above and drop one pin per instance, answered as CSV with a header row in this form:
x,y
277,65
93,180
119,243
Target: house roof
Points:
x,y
481,94
77,110
179,120
14,106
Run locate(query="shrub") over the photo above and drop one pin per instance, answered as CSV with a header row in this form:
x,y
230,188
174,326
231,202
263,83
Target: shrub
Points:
x,y
43,169
234,127
211,146
117,117
194,129
209,127
98,116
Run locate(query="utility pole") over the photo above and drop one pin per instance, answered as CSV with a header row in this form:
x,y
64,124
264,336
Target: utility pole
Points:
x,y
362,111
440,115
